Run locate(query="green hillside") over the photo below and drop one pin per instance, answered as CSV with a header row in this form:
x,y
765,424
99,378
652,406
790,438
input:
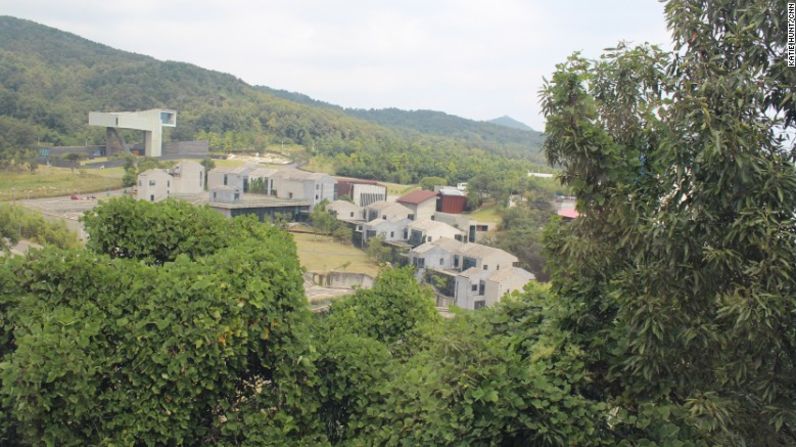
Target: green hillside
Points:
x,y
503,135
50,80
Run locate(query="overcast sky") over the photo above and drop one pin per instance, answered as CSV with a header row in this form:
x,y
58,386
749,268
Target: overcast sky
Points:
x,y
475,58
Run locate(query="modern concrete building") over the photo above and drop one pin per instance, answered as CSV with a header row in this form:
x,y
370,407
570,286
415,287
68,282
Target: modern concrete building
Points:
x,y
472,275
150,121
475,230
345,210
188,177
259,205
233,177
423,203
314,187
388,229
361,192
477,288
225,194
154,185
387,210
427,230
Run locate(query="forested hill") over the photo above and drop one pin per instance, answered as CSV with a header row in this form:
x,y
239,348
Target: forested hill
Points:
x,y
442,124
50,80
498,134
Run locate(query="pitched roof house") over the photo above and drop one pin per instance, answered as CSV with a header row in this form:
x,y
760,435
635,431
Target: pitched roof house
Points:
x,y
481,275
423,203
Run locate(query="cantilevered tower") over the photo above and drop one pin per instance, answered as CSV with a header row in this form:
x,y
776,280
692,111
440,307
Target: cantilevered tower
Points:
x,y
150,121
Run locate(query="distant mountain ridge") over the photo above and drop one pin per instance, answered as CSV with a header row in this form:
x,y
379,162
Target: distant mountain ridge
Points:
x,y
51,79
432,122
508,121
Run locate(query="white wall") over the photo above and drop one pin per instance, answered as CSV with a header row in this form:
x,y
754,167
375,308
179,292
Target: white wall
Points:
x,y
426,209
364,194
389,230
191,178
154,186
215,178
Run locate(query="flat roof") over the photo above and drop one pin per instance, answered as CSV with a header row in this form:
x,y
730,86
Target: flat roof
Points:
x,y
247,200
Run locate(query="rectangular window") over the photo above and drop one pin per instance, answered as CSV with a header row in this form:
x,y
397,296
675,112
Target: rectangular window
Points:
x,y
474,287
225,179
290,195
392,234
151,183
352,214
481,287
201,178
479,304
486,267
168,183
237,196
151,197
441,261
456,261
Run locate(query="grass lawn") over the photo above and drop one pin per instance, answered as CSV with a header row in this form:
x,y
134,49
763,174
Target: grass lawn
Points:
x,y
488,214
323,254
234,163
397,189
50,181
320,164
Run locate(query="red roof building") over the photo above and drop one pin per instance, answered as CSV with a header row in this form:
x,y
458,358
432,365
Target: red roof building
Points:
x,y
423,203
451,200
568,213
417,197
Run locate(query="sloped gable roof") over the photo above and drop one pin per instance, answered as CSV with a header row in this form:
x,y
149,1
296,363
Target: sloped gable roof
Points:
x,y
417,197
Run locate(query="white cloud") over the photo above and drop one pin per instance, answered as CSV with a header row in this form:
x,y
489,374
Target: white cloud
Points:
x,y
475,58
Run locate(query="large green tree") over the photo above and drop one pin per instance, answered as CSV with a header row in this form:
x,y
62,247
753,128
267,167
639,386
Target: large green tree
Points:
x,y
161,333
679,276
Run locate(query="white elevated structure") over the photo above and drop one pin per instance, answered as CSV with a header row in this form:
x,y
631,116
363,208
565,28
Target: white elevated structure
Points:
x,y
150,121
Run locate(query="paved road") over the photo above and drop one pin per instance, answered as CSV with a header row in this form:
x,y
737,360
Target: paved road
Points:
x,y
67,210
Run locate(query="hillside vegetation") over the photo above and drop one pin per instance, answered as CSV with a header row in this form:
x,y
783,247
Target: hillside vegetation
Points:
x,y
50,80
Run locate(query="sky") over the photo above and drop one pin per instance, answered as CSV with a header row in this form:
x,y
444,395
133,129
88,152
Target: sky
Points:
x,y
478,59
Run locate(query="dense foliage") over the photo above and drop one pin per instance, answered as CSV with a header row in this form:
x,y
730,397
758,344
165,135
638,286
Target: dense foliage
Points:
x,y
326,223
680,275
100,348
17,223
50,80
668,322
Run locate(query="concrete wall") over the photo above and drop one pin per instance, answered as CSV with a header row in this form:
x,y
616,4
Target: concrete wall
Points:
x,y
341,280
192,148
149,121
431,259
191,178
154,186
345,210
426,209
390,230
364,195
215,178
